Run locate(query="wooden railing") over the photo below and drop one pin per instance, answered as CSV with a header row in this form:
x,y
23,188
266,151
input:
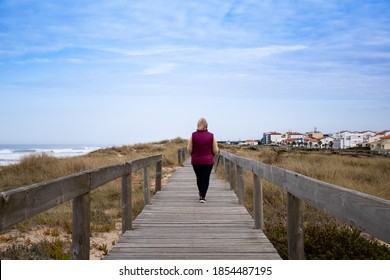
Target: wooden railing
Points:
x,y
365,212
181,155
22,203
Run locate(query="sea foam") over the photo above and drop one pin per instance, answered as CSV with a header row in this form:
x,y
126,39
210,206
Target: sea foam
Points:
x,y
12,154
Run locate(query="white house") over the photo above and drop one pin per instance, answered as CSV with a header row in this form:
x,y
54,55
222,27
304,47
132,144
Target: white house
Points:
x,y
327,142
310,142
348,139
385,143
292,136
377,136
271,137
380,141
251,142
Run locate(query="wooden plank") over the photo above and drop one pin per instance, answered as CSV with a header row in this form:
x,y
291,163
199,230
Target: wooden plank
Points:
x,y
193,256
106,174
176,226
143,162
22,203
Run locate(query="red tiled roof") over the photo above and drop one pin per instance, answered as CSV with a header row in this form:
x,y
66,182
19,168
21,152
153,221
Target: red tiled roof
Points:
x,y
382,132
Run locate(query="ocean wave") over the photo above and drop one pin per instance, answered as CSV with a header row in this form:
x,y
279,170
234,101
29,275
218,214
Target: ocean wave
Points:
x,y
12,155
22,151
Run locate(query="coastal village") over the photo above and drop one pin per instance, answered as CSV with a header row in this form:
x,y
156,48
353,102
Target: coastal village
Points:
x,y
375,141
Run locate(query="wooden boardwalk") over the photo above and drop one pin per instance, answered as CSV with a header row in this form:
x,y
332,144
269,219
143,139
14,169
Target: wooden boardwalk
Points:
x,y
177,226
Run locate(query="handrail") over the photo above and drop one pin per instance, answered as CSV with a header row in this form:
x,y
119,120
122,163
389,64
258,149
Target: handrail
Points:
x,y
25,202
366,212
181,155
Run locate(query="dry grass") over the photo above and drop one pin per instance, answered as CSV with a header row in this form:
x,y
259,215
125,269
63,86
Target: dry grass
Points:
x,y
48,235
105,201
369,175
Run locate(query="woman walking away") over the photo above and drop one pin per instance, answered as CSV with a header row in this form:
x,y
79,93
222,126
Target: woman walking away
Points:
x,y
202,147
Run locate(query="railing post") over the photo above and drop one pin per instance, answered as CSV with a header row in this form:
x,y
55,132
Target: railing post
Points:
x,y
226,164
146,186
181,155
231,175
81,227
258,202
179,159
240,185
127,203
295,228
158,175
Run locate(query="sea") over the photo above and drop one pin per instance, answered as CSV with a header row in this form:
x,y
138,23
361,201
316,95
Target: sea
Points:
x,y
12,154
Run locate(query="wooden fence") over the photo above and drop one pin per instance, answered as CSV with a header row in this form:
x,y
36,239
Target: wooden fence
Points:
x,y
365,212
22,203
181,155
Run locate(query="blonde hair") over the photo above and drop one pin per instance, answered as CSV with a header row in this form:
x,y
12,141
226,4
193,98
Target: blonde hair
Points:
x,y
202,124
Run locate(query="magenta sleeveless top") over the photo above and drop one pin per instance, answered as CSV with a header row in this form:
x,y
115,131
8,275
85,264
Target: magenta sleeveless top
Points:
x,y
202,147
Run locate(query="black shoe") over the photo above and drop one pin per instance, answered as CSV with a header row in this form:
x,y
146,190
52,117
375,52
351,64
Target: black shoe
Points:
x,y
202,200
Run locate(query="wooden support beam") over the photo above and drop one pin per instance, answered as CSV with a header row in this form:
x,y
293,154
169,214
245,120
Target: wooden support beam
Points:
x,y
295,228
158,176
258,202
81,227
127,203
146,186
240,185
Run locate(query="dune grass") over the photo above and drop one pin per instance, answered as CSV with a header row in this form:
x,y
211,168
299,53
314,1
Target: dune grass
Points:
x,y
325,237
105,200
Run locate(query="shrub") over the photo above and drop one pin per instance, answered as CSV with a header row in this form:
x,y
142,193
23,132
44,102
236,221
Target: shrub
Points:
x,y
332,242
45,250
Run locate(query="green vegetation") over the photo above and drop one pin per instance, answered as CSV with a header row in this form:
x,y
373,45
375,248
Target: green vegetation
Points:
x,y
44,250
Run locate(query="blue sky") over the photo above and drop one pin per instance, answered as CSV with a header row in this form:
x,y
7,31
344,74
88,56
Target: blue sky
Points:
x,y
122,72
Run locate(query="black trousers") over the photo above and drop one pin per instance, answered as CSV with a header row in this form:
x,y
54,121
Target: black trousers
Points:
x,y
202,172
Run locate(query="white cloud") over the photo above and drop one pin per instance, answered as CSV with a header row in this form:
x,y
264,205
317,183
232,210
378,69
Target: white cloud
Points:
x,y
35,60
163,68
254,54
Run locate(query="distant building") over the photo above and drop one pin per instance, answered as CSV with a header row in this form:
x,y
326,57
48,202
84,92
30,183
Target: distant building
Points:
x,y
340,140
327,142
310,143
315,134
295,142
292,138
348,139
383,144
378,135
290,134
251,142
271,138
